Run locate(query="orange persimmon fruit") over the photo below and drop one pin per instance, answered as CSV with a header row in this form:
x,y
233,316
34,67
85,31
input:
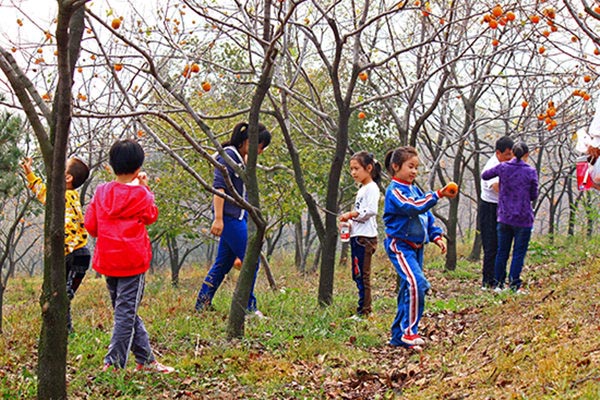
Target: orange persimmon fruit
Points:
x,y
452,187
116,23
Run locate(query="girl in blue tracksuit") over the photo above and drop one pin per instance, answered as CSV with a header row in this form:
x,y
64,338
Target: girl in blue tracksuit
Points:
x,y
409,224
230,221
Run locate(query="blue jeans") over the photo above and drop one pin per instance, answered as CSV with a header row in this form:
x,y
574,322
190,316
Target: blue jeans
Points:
x,y
506,235
232,244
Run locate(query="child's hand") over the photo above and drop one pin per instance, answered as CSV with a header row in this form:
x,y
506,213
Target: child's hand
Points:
x,y
346,216
26,165
594,151
440,243
142,179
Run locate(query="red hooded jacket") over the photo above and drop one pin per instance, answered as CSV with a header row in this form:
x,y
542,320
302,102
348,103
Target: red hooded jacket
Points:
x,y
117,216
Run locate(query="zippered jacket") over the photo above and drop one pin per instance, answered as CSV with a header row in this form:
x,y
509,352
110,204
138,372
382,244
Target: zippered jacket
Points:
x,y
407,214
117,216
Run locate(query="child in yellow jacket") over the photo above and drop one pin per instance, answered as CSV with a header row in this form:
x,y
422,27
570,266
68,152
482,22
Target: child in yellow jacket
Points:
x,y
77,255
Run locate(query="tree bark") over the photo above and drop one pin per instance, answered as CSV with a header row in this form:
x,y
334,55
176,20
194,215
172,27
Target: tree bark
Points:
x,y
298,247
52,350
2,289
268,272
237,313
173,259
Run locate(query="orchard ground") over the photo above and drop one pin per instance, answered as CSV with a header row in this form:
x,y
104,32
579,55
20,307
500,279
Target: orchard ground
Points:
x,y
480,345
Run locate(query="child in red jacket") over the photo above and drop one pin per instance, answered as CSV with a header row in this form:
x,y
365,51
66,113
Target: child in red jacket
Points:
x,y
117,216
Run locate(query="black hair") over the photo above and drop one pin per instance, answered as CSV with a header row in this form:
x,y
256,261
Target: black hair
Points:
x,y
264,136
79,171
240,135
398,157
365,159
520,149
504,143
125,156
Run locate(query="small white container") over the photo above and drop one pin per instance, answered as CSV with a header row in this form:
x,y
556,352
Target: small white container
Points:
x,y
345,232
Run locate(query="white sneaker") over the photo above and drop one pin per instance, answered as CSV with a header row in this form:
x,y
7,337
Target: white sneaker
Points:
x,y
154,366
499,289
258,314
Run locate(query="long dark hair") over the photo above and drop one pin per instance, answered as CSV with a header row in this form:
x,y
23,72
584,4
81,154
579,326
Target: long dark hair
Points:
x,y
240,135
365,159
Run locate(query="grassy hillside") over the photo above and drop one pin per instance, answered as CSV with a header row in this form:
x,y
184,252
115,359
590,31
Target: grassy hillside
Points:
x,y
544,345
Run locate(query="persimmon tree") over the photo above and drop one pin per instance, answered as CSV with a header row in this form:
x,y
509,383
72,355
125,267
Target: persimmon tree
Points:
x,y
162,81
51,126
350,46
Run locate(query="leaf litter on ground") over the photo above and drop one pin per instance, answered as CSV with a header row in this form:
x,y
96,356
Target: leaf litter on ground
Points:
x,y
545,344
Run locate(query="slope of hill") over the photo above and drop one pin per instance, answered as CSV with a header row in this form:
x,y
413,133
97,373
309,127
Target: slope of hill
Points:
x,y
481,345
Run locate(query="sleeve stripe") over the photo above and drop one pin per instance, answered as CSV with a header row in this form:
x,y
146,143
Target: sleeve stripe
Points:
x,y
398,194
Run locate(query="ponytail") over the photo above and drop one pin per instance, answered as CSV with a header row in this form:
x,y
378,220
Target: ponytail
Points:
x,y
376,172
238,136
264,136
520,149
365,159
387,161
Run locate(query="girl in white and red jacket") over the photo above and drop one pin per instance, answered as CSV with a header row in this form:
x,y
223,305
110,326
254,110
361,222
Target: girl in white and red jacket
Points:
x,y
366,171
117,216
409,225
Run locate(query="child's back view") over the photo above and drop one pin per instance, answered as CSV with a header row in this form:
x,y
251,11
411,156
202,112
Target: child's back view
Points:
x,y
117,216
77,255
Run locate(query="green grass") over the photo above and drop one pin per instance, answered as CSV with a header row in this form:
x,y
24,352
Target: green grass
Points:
x,y
480,345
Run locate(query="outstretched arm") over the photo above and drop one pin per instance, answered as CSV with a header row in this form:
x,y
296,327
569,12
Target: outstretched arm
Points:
x,y
37,186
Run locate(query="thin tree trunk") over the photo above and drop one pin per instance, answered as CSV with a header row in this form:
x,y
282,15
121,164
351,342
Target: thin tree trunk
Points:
x,y
2,290
344,253
237,313
267,268
173,248
317,259
475,254
298,247
52,350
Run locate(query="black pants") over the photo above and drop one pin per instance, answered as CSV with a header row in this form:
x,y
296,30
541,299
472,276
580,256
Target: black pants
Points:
x,y
76,264
489,239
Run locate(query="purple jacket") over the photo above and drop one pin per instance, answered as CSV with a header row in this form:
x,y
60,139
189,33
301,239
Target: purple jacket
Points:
x,y
518,188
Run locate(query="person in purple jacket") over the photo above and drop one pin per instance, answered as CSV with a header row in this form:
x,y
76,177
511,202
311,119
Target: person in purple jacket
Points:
x,y
518,189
